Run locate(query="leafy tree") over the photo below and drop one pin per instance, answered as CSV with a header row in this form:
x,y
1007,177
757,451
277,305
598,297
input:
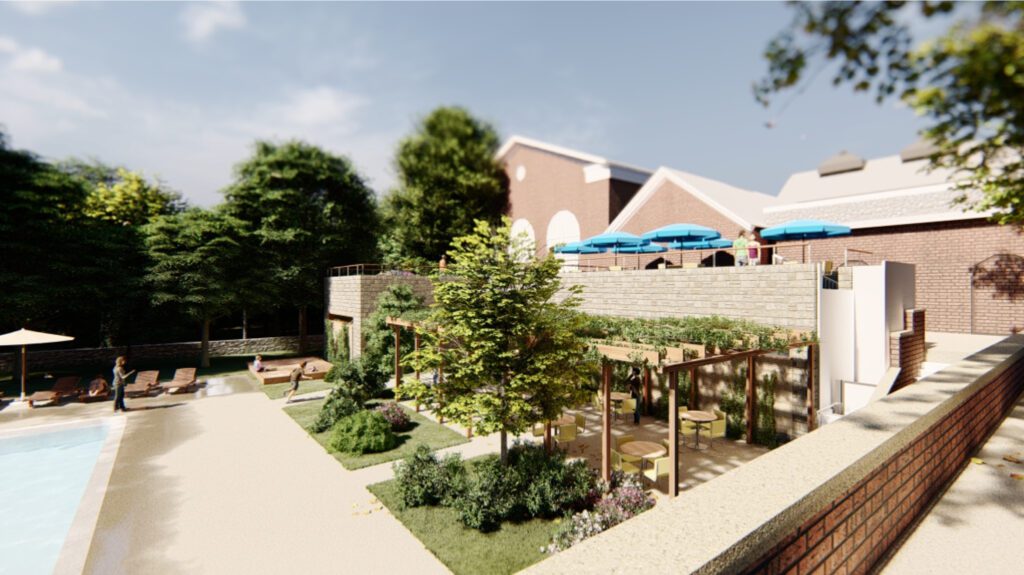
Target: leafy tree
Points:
x,y
378,357
448,179
967,82
299,211
511,354
130,200
193,254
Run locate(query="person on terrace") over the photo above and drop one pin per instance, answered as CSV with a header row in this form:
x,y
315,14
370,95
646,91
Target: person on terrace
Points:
x,y
740,247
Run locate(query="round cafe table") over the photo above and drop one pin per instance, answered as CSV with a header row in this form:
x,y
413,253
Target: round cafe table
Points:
x,y
698,417
644,450
567,419
619,396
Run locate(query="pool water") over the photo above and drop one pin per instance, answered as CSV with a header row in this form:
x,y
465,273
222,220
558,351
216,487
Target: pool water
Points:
x,y
42,479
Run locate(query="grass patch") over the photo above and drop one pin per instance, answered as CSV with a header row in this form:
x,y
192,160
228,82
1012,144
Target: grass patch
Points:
x,y
279,390
422,430
467,551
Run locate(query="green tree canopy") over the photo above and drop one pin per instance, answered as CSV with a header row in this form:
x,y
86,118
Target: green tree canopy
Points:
x,y
300,210
511,353
448,179
130,200
967,82
193,255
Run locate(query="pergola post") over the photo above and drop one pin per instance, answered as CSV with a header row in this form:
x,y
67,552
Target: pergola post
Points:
x,y
440,396
416,348
810,389
751,400
606,421
647,390
673,434
694,396
398,361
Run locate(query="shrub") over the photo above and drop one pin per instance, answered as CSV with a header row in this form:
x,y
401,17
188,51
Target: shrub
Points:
x,y
546,485
363,432
422,479
625,499
489,497
396,416
344,400
765,434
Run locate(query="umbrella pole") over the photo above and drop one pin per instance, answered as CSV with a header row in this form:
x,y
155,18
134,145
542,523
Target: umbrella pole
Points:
x,y
24,368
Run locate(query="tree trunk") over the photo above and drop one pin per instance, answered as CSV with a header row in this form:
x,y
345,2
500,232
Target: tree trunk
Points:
x,y
245,324
504,447
206,343
302,329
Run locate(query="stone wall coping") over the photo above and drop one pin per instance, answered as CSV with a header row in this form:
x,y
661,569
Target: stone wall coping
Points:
x,y
725,525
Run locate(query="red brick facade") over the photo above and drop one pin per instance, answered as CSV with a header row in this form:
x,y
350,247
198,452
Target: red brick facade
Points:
x,y
861,526
907,348
944,254
670,204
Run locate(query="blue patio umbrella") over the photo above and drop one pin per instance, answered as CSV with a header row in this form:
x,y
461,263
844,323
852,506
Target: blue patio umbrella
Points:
x,y
804,230
681,233
702,244
614,240
577,248
640,249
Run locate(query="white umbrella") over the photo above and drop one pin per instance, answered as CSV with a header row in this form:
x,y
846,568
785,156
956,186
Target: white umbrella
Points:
x,y
26,337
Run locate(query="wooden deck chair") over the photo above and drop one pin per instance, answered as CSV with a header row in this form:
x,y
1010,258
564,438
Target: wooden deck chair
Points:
x,y
184,380
144,382
63,387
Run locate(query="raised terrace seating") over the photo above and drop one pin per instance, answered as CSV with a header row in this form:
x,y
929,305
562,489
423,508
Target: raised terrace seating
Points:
x,y
278,370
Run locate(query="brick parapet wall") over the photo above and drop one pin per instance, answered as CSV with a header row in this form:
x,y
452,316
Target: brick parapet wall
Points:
x,y
771,295
907,349
185,351
866,522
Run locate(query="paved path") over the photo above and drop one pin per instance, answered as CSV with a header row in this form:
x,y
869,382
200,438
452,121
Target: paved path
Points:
x,y
231,485
978,524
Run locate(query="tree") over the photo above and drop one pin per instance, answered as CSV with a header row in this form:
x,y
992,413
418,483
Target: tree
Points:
x,y
130,200
967,82
511,353
378,355
448,179
299,210
194,256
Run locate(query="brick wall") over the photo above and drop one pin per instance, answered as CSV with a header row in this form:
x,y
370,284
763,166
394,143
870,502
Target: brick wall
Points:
x,y
772,295
944,254
189,351
868,520
907,348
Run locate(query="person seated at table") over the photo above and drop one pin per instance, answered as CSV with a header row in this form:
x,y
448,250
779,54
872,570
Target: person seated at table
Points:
x,y
257,365
98,386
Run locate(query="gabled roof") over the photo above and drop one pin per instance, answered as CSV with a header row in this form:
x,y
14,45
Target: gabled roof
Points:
x,y
598,167
744,207
878,175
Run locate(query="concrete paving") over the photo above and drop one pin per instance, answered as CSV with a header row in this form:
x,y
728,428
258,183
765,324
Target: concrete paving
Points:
x,y
978,524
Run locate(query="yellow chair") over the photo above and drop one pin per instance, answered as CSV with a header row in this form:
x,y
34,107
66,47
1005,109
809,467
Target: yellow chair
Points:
x,y
624,466
566,434
538,430
626,408
686,427
581,422
717,426
662,465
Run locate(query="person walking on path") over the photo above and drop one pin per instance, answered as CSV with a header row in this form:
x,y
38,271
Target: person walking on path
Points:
x,y
634,390
120,380
297,374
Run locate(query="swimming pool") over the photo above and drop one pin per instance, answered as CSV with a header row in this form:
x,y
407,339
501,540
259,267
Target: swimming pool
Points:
x,y
44,474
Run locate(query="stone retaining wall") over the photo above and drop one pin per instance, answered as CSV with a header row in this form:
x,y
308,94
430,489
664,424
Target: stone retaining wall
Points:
x,y
355,297
771,295
42,359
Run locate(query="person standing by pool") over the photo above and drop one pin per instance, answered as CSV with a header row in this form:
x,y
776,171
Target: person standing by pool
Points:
x,y
120,380
297,374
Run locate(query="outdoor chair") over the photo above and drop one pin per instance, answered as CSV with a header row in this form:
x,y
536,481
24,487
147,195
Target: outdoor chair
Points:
x,y
184,380
566,434
538,430
144,382
622,440
686,427
581,422
627,408
717,426
63,387
619,464
662,465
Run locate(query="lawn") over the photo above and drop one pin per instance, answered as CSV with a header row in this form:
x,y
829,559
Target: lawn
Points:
x,y
423,430
467,551
279,390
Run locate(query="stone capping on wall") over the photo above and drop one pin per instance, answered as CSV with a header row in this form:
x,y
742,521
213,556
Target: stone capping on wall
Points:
x,y
733,523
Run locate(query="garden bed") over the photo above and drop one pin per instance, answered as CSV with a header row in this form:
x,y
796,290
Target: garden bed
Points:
x,y
423,431
512,548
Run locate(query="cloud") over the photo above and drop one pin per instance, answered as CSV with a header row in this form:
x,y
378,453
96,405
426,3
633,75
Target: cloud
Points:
x,y
37,7
28,59
203,20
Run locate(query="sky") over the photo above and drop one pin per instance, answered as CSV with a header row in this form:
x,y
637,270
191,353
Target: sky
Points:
x,y
180,91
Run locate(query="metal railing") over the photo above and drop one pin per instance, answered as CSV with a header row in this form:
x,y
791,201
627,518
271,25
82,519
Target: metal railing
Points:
x,y
375,269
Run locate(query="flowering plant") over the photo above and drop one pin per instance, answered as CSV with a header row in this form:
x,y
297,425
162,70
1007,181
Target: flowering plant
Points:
x,y
396,416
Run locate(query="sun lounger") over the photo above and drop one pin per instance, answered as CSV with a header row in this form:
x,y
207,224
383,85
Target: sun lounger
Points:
x,y
184,380
144,382
63,387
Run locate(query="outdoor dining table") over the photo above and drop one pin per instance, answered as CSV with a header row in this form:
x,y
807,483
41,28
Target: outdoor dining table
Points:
x,y
643,449
698,417
567,419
